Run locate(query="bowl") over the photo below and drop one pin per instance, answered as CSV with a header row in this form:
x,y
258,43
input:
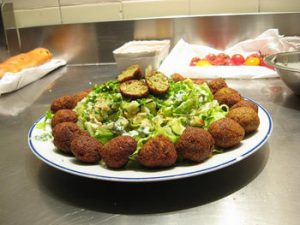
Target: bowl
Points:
x,y
144,53
287,65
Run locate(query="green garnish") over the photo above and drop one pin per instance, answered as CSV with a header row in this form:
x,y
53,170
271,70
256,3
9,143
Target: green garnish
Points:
x,y
42,125
105,113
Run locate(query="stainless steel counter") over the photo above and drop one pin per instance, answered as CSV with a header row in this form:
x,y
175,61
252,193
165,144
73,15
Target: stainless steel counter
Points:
x,y
262,189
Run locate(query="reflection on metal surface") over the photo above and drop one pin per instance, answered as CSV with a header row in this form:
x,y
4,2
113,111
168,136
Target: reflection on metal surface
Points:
x,y
10,29
94,42
12,104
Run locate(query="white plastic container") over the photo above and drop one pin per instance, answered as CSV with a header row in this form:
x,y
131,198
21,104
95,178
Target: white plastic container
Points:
x,y
143,53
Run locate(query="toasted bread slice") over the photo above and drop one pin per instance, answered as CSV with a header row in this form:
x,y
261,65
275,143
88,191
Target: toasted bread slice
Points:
x,y
157,82
134,89
131,73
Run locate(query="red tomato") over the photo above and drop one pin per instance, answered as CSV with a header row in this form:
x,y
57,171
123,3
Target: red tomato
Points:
x,y
219,61
223,55
210,57
228,62
263,63
237,59
194,61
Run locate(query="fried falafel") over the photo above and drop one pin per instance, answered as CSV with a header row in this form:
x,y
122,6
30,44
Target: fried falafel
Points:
x,y
195,144
134,89
79,96
63,134
116,152
63,102
245,103
157,82
86,148
63,115
157,152
217,84
132,72
246,117
227,96
226,132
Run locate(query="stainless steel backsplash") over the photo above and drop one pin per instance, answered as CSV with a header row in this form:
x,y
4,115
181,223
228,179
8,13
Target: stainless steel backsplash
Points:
x,y
94,42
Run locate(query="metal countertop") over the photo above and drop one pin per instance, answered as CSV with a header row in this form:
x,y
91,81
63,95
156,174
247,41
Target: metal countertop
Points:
x,y
262,189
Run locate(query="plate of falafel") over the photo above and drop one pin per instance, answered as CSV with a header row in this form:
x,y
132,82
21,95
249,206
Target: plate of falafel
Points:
x,y
145,127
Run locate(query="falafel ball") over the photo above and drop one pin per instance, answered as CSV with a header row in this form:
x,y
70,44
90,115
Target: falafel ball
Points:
x,y
177,77
227,96
226,132
79,96
198,81
63,115
157,152
246,117
116,152
217,84
63,102
195,144
245,103
63,134
86,148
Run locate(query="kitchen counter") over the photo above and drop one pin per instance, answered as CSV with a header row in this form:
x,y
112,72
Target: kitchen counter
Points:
x,y
262,189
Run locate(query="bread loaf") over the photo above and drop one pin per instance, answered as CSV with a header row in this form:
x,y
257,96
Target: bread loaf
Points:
x,y
35,57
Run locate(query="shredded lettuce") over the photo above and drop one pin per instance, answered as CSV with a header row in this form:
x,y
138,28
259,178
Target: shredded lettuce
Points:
x,y
105,114
42,125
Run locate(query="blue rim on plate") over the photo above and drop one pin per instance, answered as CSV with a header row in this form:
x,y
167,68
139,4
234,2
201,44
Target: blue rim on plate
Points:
x,y
159,177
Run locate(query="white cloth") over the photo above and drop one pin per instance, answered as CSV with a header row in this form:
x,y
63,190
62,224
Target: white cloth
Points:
x,y
269,42
14,81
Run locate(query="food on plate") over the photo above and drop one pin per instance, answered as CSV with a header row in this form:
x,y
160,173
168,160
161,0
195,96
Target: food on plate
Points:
x,y
237,59
252,61
177,77
246,117
134,89
217,84
63,134
133,72
227,96
63,115
86,148
194,60
157,152
80,95
210,57
22,61
197,80
175,121
226,132
116,152
203,62
63,102
222,59
245,103
195,144
157,82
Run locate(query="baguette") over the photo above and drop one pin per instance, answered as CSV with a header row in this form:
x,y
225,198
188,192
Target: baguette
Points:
x,y
39,56
35,57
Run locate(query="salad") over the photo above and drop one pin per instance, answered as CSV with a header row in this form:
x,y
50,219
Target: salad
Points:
x,y
106,114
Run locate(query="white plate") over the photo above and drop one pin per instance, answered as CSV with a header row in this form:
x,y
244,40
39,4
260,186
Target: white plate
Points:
x,y
47,152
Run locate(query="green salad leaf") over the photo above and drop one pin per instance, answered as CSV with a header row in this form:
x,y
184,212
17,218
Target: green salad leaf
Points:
x,y
105,113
